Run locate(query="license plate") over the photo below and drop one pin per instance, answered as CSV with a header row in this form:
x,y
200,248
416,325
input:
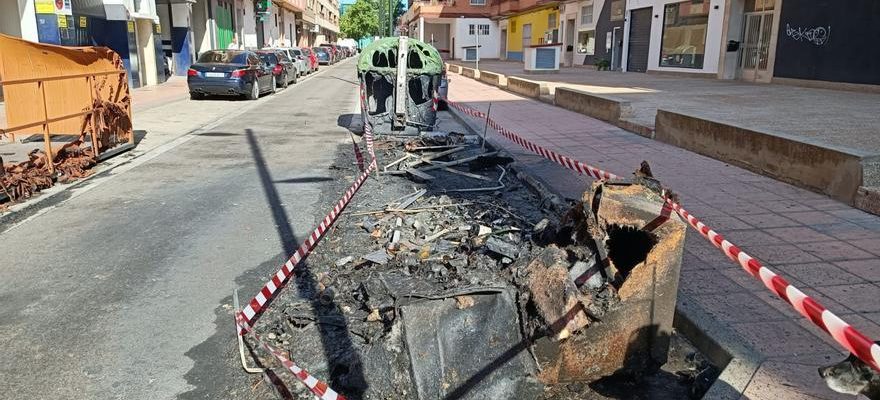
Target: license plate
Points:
x,y
215,74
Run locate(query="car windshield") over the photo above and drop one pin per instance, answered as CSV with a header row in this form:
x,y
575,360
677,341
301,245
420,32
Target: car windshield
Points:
x,y
269,58
296,52
319,50
227,57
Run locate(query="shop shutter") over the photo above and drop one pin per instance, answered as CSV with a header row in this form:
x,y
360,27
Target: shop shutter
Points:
x,y
639,40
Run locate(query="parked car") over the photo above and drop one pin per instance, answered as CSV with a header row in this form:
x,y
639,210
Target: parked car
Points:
x,y
323,54
302,61
343,53
311,57
334,54
229,73
296,56
283,69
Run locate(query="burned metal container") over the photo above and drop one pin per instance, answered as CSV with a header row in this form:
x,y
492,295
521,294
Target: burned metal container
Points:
x,y
401,77
639,250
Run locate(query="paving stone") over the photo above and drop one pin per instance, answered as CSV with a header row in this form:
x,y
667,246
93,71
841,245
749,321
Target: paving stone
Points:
x,y
834,250
768,220
860,298
780,338
777,380
800,234
817,274
866,269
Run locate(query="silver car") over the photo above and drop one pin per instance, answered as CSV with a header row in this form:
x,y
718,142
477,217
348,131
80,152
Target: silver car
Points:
x,y
296,55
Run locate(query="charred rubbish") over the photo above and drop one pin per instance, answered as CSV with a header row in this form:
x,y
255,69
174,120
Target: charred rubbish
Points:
x,y
453,282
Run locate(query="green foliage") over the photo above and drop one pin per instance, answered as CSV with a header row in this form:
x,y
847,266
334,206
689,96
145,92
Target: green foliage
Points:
x,y
360,20
603,64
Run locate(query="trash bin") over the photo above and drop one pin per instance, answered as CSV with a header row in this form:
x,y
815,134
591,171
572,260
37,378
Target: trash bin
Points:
x,y
401,77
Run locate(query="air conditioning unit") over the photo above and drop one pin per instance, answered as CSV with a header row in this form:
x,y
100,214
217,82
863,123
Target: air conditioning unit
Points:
x,y
316,29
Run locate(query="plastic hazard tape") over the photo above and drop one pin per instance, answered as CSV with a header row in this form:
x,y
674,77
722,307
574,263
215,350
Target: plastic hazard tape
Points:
x,y
842,332
253,308
847,336
320,388
551,155
368,128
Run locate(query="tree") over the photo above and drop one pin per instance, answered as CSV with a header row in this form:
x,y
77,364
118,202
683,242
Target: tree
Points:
x,y
360,20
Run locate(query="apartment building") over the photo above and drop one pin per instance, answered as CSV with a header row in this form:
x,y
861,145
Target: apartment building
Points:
x,y
459,29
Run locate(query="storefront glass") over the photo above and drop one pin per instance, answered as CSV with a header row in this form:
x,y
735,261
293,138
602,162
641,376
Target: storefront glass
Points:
x,y
684,34
587,42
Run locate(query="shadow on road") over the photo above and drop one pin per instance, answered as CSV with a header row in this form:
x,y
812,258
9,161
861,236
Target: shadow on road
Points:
x,y
346,370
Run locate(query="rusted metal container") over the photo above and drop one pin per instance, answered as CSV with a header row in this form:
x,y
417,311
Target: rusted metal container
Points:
x,y
71,91
645,246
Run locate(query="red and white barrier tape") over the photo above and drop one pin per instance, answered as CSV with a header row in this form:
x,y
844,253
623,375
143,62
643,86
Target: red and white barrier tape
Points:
x,y
847,336
320,388
368,129
253,308
551,155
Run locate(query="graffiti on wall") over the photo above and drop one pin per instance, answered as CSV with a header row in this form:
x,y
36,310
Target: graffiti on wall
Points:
x,y
818,36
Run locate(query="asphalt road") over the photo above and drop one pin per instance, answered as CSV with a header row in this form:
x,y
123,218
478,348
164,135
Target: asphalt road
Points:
x,y
124,292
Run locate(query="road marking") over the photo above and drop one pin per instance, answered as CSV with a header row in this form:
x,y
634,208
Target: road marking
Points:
x,y
117,166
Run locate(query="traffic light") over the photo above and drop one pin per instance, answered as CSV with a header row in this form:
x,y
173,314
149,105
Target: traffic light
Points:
x,y
263,6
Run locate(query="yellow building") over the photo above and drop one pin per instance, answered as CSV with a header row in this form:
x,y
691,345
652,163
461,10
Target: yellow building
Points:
x,y
537,26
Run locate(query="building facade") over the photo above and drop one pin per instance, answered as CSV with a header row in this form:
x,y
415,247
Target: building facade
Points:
x,y
459,29
152,34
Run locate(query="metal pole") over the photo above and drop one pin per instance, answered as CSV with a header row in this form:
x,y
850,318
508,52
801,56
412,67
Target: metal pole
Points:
x,y
478,51
486,127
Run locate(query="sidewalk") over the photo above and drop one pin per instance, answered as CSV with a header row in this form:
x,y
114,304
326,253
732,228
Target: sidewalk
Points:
x,y
835,117
825,248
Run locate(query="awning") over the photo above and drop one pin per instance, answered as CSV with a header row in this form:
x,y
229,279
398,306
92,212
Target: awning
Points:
x,y
106,9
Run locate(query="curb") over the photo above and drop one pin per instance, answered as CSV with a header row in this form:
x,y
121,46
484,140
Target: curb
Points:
x,y
715,340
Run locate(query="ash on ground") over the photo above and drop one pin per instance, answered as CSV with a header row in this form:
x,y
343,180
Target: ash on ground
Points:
x,y
440,278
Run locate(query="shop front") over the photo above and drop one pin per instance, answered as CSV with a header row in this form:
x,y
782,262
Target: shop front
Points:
x,y
539,26
674,36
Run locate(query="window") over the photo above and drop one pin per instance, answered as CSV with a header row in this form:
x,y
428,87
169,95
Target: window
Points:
x,y
482,29
512,26
551,21
587,42
617,8
684,34
478,2
587,15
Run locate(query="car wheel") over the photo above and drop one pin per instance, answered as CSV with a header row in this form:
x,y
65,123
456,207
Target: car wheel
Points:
x,y
274,85
255,91
284,83
295,75
196,96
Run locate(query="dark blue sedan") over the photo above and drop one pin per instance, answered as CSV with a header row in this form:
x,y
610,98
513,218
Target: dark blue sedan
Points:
x,y
230,73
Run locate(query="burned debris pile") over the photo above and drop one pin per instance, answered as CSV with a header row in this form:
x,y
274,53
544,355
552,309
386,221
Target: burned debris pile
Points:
x,y
448,278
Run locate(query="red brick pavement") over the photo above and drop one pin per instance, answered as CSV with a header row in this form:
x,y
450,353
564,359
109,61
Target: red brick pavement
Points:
x,y
826,248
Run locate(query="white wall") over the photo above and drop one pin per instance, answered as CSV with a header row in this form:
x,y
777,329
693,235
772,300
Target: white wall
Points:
x,y
489,44
713,35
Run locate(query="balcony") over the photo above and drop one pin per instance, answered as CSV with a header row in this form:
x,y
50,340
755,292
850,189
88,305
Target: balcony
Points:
x,y
506,7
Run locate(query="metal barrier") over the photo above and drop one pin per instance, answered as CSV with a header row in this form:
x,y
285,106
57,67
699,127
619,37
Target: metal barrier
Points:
x,y
68,91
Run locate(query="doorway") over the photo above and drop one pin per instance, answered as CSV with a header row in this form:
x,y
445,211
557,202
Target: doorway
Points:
x,y
639,40
502,53
526,37
569,42
755,50
616,48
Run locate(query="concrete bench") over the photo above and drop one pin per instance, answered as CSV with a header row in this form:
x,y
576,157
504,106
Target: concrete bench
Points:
x,y
601,107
